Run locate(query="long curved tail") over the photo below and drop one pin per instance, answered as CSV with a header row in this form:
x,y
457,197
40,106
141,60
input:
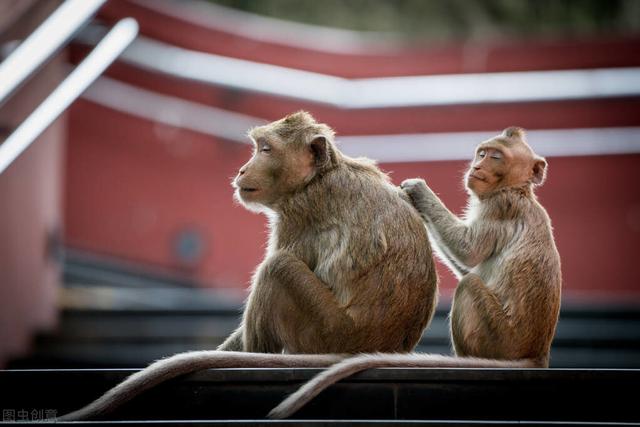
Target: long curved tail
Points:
x,y
185,363
356,364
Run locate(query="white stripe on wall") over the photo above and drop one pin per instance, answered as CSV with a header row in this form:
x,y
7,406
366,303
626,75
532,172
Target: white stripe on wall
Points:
x,y
461,145
433,90
233,126
170,110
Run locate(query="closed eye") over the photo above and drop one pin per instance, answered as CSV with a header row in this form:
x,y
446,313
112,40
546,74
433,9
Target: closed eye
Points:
x,y
496,155
265,148
482,153
261,145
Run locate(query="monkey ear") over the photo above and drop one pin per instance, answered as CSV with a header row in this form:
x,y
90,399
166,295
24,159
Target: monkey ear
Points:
x,y
539,171
321,151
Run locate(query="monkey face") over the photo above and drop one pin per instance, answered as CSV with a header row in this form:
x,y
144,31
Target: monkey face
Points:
x,y
487,169
275,170
504,161
287,155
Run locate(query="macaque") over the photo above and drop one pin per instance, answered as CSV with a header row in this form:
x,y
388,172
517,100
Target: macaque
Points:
x,y
505,308
348,267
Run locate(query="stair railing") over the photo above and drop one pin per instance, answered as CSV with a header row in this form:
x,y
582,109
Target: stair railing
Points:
x,y
42,44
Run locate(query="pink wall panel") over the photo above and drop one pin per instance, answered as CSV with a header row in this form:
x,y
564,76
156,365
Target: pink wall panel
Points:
x,y
131,190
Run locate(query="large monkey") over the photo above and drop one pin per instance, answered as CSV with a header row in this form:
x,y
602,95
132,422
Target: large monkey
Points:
x,y
348,267
505,307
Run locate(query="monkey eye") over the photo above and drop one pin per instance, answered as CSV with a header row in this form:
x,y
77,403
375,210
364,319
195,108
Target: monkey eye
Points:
x,y
481,153
265,148
496,155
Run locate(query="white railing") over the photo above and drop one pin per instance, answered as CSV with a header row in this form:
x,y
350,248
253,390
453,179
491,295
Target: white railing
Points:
x,y
44,42
104,53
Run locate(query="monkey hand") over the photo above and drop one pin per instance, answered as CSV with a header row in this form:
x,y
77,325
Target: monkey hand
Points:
x,y
415,188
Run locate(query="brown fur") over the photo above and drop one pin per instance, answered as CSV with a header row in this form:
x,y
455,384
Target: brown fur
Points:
x,y
188,362
505,308
348,267
507,302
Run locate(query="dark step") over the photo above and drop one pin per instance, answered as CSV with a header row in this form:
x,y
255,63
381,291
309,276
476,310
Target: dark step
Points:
x,y
327,423
133,337
544,395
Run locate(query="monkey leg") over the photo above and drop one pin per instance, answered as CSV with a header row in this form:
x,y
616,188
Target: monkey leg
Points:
x,y
295,309
259,325
480,327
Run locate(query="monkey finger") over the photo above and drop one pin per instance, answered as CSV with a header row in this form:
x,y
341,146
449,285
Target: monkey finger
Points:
x,y
414,187
412,183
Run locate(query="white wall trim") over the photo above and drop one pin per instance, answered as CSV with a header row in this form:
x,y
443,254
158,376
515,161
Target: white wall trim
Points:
x,y
461,145
401,148
387,92
170,110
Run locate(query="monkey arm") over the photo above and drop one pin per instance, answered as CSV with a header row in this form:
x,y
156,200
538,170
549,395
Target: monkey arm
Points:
x,y
456,266
464,245
309,292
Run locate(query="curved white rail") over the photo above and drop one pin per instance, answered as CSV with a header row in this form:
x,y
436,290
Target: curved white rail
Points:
x,y
105,52
44,42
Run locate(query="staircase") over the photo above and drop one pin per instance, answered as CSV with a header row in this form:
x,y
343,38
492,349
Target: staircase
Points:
x,y
381,396
128,319
139,325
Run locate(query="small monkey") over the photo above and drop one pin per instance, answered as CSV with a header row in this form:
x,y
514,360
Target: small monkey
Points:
x,y
348,267
505,308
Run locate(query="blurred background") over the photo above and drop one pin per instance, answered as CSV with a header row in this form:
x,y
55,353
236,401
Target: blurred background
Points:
x,y
119,239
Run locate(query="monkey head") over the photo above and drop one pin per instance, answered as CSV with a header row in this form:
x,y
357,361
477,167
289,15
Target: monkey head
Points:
x,y
288,154
504,161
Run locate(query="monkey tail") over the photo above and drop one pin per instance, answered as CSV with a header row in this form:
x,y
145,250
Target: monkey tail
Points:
x,y
185,363
356,364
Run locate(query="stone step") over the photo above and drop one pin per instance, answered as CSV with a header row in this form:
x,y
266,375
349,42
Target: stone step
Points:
x,y
426,395
134,336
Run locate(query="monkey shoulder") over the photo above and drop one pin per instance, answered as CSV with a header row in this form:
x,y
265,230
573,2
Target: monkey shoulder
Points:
x,y
369,195
379,223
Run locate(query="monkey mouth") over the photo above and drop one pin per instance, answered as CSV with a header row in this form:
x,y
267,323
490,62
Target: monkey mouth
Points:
x,y
248,189
478,177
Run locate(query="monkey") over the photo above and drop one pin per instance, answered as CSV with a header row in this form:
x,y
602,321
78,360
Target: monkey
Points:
x,y
505,307
507,302
348,266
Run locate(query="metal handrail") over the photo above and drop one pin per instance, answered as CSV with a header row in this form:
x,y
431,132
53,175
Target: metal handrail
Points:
x,y
105,52
43,43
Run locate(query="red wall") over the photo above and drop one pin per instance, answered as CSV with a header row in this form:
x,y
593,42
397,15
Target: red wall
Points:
x,y
133,185
130,190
